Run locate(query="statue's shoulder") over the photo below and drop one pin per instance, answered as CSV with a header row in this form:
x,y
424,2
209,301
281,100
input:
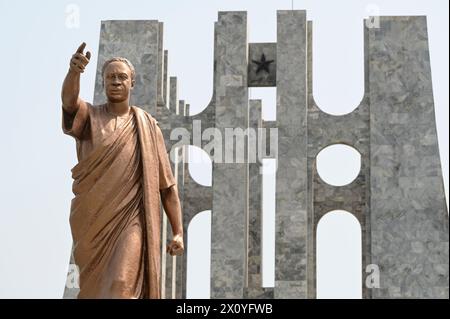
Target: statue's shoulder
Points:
x,y
95,110
150,118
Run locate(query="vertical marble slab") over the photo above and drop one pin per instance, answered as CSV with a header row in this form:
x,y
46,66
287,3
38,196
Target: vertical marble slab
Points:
x,y
255,203
180,165
269,139
180,275
173,94
254,289
180,107
230,187
173,261
291,175
165,81
161,67
409,217
170,261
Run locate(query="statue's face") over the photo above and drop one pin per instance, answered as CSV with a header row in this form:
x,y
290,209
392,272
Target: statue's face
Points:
x,y
117,81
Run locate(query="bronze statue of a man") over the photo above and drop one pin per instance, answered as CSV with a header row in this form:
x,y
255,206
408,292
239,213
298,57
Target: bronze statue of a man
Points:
x,y
123,172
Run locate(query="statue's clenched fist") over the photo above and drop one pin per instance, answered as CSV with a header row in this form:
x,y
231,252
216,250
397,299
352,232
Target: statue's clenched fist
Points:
x,y
176,246
79,59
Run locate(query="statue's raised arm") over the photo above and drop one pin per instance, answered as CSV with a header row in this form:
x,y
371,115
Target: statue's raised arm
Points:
x,y
71,86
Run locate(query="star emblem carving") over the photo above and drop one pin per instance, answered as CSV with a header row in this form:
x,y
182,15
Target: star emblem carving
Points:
x,y
263,64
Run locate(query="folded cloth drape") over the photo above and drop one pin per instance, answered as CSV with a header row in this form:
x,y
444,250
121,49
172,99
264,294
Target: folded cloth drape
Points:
x,y
115,214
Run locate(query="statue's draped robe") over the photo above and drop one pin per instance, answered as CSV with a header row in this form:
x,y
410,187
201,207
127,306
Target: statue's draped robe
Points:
x,y
115,214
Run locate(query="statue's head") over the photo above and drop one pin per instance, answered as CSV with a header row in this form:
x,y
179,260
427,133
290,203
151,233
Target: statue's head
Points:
x,y
118,79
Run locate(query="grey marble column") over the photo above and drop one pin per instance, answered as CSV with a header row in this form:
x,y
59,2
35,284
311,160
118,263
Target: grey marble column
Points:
x,y
171,261
173,95
291,178
409,217
179,260
254,287
230,187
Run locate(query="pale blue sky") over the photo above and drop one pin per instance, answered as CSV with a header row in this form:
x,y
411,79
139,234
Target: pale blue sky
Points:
x,y
35,165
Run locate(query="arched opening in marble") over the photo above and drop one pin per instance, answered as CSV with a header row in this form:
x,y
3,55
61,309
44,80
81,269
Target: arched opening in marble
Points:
x,y
199,256
339,256
200,165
